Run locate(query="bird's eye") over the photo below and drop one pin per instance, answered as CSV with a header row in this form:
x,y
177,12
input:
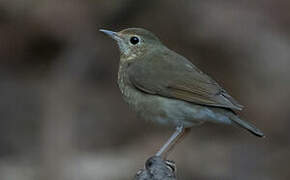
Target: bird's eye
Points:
x,y
134,40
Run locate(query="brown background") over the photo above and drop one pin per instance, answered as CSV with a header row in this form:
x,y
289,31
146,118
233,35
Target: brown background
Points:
x,y
61,113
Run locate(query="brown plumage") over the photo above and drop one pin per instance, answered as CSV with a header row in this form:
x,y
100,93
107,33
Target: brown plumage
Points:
x,y
163,86
179,79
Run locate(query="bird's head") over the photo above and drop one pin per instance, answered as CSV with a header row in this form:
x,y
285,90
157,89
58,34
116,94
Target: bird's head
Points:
x,y
134,42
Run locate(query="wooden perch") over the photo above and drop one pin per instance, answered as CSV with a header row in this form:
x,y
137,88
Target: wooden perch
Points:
x,y
157,169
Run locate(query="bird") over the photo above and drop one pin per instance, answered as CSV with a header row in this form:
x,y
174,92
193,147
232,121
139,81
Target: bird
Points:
x,y
163,86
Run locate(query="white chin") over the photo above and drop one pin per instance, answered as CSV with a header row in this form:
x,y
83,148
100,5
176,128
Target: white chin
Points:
x,y
123,48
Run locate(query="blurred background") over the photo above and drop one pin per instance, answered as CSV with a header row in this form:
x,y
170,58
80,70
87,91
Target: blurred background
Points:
x,y
62,115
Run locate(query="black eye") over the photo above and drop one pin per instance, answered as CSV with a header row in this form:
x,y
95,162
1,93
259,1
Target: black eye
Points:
x,y
134,40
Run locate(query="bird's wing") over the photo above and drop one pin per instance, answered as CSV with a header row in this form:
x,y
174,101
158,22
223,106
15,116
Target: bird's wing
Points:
x,y
171,75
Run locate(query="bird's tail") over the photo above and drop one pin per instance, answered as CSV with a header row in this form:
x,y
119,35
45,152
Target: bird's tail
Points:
x,y
248,126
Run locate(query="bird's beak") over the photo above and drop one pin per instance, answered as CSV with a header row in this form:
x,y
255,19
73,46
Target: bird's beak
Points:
x,y
112,34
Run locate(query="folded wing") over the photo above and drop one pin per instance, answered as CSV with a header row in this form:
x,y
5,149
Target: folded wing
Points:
x,y
171,75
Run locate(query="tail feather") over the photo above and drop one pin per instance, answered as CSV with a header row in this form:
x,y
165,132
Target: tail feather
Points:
x,y
248,126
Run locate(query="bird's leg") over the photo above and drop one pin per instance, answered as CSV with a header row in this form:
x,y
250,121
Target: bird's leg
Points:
x,y
173,140
178,140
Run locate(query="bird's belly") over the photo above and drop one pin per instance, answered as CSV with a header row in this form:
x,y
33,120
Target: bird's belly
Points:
x,y
171,112
166,111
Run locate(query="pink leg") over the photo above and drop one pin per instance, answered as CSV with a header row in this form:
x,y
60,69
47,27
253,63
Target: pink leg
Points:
x,y
175,138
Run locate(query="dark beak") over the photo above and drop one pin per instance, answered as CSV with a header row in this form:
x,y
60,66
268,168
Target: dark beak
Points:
x,y
112,34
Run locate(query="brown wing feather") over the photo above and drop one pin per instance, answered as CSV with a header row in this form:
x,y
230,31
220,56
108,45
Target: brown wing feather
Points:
x,y
210,100
179,79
